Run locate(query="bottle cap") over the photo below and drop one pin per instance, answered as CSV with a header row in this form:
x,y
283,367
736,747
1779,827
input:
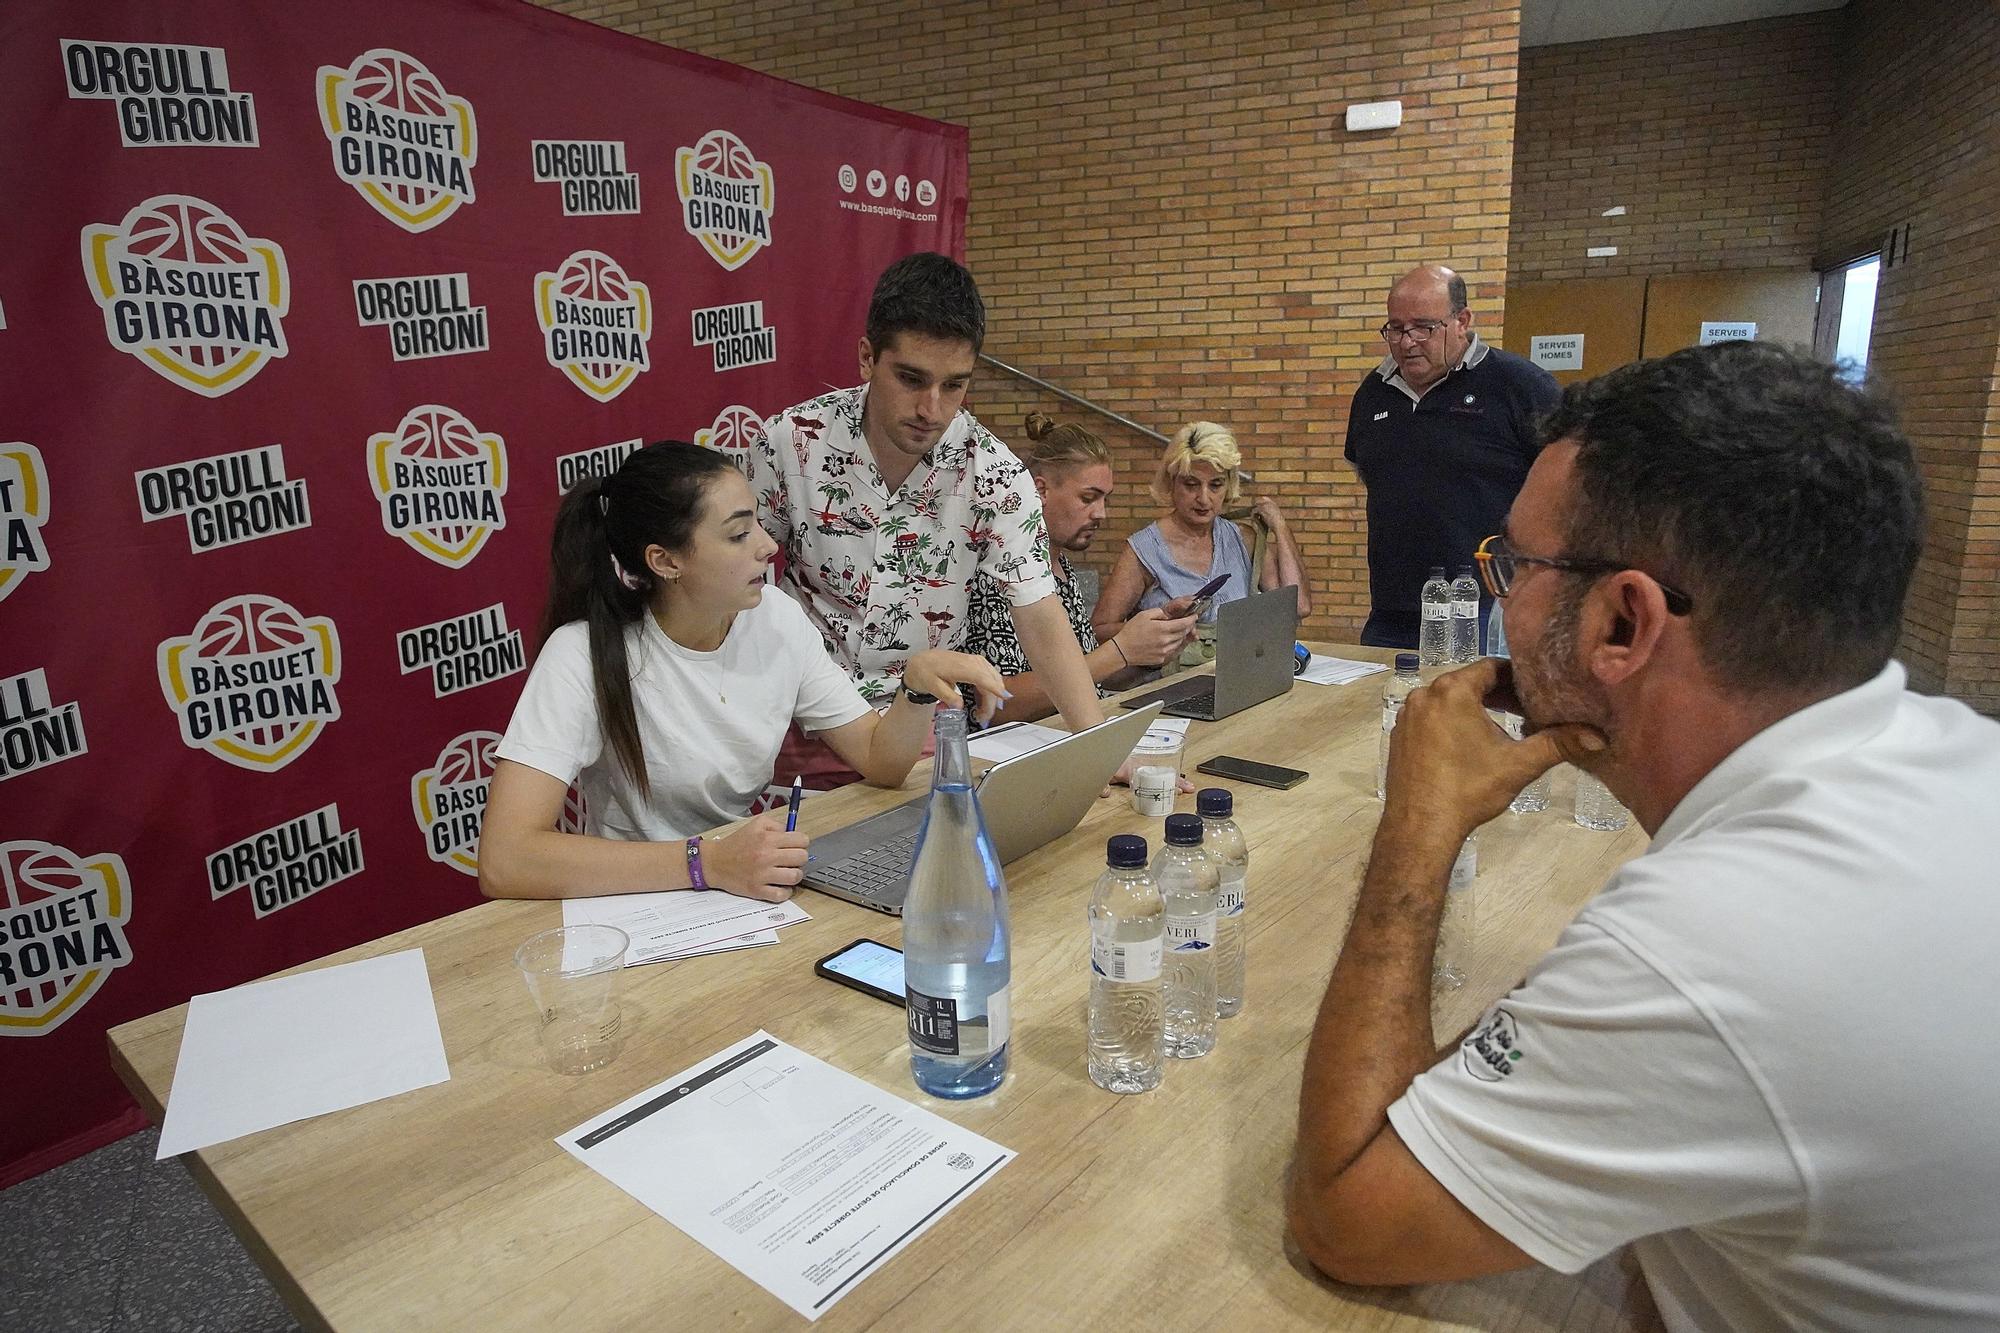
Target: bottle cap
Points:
x,y
1184,830
1437,571
1406,661
1215,802
1125,851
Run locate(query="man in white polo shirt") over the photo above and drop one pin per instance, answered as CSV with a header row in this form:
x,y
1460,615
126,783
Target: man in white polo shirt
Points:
x,y
1762,1055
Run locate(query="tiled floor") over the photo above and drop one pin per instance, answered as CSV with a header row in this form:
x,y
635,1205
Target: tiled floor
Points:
x,y
115,1241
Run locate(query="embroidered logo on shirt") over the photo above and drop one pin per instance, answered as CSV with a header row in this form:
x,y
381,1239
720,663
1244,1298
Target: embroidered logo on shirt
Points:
x,y
1381,416
1493,1048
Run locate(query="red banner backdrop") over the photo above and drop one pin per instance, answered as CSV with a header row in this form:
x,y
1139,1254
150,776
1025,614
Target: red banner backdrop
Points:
x,y
308,314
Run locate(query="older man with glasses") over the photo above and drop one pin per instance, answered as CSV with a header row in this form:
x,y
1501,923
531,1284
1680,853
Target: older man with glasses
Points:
x,y
1442,434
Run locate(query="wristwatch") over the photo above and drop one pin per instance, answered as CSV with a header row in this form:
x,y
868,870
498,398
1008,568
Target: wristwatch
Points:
x,y
918,696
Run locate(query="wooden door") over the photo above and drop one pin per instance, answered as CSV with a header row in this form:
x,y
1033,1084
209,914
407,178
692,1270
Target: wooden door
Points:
x,y
1607,312
1778,301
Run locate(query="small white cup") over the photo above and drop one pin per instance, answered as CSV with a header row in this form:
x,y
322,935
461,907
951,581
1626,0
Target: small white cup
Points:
x,y
1156,771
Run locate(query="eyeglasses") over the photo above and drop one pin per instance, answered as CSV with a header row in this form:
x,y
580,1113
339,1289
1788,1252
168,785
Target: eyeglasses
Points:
x,y
1496,560
1419,332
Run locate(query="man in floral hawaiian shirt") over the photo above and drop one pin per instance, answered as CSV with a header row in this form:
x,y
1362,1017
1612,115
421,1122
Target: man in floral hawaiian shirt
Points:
x,y
887,497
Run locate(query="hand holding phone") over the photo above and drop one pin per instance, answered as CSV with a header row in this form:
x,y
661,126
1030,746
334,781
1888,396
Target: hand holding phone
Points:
x,y
1205,595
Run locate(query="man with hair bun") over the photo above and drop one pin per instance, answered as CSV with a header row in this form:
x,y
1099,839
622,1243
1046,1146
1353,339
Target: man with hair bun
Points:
x,y
1071,468
1442,434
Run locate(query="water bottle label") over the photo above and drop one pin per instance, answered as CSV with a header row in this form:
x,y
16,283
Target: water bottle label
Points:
x,y
1437,610
1125,962
1465,610
1231,902
1190,934
937,1026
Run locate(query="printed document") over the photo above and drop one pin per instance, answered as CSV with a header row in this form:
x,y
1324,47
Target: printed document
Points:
x,y
1337,670
682,923
803,1178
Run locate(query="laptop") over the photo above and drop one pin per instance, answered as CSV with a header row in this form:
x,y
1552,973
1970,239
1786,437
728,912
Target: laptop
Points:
x,y
1028,800
1253,660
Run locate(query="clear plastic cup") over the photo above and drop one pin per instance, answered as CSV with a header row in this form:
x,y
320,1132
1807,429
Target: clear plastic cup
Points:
x,y
1156,771
572,975
1596,807
1534,797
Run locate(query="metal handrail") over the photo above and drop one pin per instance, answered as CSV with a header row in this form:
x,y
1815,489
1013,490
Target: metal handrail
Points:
x,y
1067,396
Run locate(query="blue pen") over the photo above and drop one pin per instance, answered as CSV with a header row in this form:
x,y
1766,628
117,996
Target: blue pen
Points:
x,y
798,794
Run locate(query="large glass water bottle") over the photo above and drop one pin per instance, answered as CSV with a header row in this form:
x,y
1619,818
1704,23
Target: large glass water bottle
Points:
x,y
1434,635
1223,841
1465,617
955,934
1189,884
1393,694
1127,929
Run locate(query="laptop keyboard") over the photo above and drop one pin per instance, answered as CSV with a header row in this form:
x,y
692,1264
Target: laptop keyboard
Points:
x,y
1202,705
883,867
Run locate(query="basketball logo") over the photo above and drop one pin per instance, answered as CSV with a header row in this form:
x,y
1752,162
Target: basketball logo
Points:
x,y
62,932
440,481
450,798
24,508
726,198
596,321
188,293
253,685
731,435
404,143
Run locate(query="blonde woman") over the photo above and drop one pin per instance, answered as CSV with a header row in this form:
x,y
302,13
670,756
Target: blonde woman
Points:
x,y
1192,543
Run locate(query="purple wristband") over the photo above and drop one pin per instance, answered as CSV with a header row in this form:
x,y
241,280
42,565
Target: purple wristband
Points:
x,y
695,877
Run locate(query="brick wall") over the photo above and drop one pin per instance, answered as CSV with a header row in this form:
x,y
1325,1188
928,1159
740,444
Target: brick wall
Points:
x,y
1919,144
1168,216
1716,141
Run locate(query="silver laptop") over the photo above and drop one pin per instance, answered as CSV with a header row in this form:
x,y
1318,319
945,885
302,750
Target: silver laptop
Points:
x,y
1028,800
1253,660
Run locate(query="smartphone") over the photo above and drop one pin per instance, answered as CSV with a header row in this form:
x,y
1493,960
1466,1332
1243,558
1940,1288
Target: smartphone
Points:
x,y
1206,594
1245,770
869,966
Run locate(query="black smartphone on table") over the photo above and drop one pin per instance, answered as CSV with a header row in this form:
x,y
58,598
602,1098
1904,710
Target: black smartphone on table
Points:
x,y
869,966
1248,770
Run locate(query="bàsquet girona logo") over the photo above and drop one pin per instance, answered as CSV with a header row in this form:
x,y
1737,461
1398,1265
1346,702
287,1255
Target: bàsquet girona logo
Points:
x,y
405,144
440,481
62,932
253,685
24,508
727,197
185,290
450,799
731,435
596,322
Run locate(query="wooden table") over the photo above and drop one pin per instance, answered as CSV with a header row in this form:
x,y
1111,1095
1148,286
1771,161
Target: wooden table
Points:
x,y
452,1206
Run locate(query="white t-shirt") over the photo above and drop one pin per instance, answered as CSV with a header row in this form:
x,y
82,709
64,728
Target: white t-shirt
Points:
x,y
1763,1055
709,723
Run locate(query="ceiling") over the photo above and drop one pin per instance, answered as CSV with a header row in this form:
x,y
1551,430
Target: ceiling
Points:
x,y
1551,22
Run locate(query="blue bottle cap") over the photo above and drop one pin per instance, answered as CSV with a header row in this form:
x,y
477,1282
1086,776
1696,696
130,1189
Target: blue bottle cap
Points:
x,y
1406,661
1215,802
1184,830
1125,851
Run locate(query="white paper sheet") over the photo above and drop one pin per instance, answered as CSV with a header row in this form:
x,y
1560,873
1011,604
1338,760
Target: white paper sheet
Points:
x,y
1338,670
681,923
801,1177
276,1051
1007,741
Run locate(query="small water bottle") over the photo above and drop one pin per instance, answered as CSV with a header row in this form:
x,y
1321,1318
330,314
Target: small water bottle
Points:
x,y
1223,841
1190,886
1393,694
1465,617
1434,637
955,950
1596,807
1534,798
1127,926
1456,928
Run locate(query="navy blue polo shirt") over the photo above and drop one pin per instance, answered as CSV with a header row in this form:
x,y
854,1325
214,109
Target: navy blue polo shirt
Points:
x,y
1441,471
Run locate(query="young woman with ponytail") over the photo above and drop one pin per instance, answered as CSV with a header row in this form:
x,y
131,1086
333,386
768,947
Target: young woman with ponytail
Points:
x,y
668,674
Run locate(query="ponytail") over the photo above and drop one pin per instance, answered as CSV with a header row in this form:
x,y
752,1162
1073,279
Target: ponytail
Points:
x,y
598,572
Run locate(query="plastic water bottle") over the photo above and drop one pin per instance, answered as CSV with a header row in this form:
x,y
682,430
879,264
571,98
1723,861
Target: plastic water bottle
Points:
x,y
955,934
1596,807
1393,694
1189,884
1434,638
1223,841
1127,927
1534,798
1460,919
1465,617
